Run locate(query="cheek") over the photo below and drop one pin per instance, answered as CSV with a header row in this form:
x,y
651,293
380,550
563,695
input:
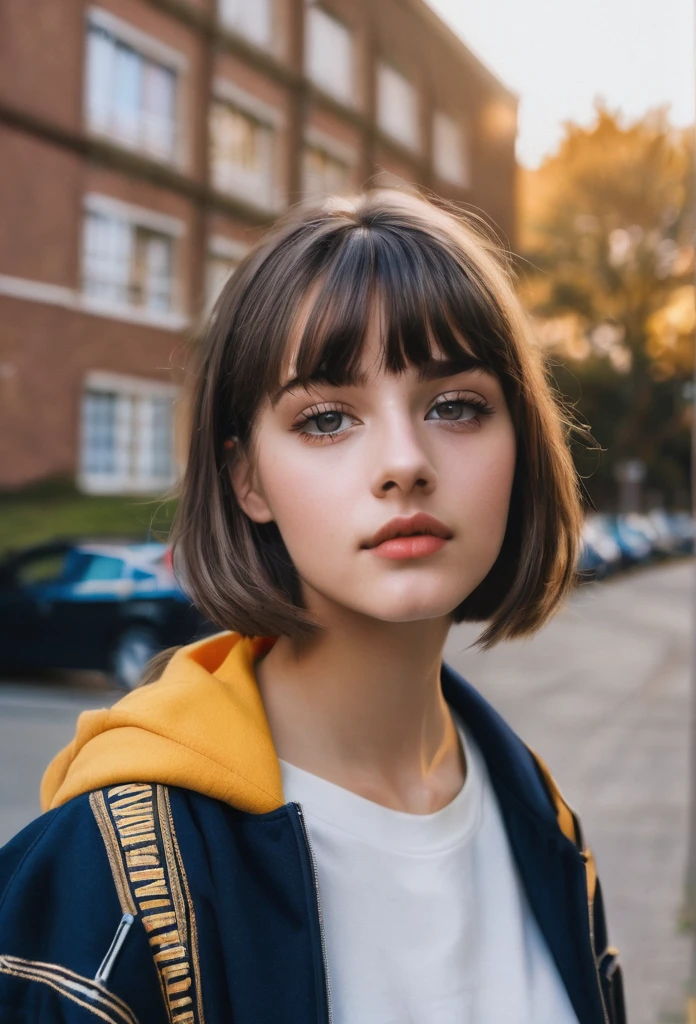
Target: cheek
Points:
x,y
484,482
305,499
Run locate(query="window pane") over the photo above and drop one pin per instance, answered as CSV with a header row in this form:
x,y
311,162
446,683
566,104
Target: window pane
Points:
x,y
43,568
103,567
397,106
152,284
100,71
241,154
218,270
107,258
128,437
161,439
323,174
98,433
158,111
252,18
448,150
329,54
127,265
129,95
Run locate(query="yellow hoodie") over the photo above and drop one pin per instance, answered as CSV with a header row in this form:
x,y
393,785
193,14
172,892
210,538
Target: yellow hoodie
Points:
x,y
201,726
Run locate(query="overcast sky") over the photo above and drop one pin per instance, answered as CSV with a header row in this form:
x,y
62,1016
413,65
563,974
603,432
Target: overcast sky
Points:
x,y
559,54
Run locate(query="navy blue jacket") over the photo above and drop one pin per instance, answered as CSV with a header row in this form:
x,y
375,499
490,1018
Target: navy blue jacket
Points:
x,y
185,909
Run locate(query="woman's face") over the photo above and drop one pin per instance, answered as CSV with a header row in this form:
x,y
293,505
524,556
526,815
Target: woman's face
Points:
x,y
334,465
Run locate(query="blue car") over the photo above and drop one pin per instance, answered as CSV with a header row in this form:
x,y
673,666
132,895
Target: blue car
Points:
x,y
107,606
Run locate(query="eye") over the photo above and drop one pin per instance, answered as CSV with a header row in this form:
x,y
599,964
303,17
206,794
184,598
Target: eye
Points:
x,y
461,409
329,423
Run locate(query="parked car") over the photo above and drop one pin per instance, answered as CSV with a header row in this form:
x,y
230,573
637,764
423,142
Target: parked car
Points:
x,y
682,526
81,605
598,539
635,546
590,564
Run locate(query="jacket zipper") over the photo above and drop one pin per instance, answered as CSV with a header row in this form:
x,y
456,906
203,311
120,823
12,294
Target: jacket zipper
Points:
x,y
315,877
590,911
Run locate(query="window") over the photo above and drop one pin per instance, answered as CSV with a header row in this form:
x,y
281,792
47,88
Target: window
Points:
x,y
241,156
397,106
330,54
224,256
127,438
102,567
130,96
251,18
218,269
323,173
41,568
126,263
449,153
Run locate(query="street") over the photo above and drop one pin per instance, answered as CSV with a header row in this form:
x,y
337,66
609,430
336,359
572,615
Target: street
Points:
x,y
602,694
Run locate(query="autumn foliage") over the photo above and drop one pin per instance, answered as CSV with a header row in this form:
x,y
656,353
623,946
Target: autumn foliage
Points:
x,y
606,235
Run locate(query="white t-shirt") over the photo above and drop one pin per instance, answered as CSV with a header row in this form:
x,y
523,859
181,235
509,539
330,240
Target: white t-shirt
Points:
x,y
425,918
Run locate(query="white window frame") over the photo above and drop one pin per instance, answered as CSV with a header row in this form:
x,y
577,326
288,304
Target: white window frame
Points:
x,y
269,117
344,96
150,47
462,179
333,147
137,216
412,142
126,387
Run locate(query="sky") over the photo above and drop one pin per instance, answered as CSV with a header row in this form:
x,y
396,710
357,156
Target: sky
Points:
x,y
558,55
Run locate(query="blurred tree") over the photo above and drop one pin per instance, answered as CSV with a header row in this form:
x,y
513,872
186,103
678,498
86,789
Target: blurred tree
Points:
x,y
607,236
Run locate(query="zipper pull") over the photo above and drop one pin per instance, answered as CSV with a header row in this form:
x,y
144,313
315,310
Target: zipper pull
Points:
x,y
102,975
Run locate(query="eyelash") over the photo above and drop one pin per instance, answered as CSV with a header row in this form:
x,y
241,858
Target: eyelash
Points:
x,y
476,402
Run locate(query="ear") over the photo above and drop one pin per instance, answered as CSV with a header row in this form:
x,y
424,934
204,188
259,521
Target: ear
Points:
x,y
246,489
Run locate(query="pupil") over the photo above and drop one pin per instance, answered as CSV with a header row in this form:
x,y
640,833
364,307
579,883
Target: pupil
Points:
x,y
451,409
327,428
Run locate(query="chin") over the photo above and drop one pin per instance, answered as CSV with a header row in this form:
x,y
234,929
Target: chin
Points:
x,y
416,606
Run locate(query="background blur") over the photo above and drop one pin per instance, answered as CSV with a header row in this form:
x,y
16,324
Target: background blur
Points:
x,y
146,144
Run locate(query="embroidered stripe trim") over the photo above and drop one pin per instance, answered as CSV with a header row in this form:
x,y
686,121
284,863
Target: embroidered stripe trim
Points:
x,y
167,822
92,997
139,815
98,805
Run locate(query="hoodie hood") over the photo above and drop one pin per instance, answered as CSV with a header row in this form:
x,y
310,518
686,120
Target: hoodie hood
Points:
x,y
201,726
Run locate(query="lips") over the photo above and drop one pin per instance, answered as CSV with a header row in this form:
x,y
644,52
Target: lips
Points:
x,y
402,526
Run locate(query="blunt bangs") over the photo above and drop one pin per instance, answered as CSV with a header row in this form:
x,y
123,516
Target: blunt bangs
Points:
x,y
429,302
297,311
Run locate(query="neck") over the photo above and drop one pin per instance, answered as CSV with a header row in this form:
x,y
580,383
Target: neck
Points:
x,y
361,705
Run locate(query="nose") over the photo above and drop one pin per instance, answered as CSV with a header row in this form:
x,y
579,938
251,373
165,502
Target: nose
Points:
x,y
401,462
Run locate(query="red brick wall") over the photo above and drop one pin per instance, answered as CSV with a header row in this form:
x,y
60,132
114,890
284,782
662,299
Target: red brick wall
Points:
x,y
46,350
45,353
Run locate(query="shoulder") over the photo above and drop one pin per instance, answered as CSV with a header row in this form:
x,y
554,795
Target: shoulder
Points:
x,y
63,902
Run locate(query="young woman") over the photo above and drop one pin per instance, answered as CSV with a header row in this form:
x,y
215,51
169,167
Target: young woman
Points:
x,y
309,817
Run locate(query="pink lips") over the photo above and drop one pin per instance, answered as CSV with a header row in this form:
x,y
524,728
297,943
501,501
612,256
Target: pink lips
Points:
x,y
409,547
409,537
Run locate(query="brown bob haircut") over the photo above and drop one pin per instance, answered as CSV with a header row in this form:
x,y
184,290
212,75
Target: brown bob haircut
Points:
x,y
436,276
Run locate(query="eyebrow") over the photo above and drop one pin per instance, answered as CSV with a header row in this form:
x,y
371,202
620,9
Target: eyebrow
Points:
x,y
434,369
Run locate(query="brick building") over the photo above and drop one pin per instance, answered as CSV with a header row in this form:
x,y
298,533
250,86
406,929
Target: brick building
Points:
x,y
144,144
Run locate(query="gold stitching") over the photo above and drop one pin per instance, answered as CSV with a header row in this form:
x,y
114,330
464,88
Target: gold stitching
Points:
x,y
194,929
148,861
98,805
50,974
170,857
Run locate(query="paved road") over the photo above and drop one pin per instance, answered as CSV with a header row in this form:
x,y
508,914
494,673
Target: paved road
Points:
x,y
601,693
